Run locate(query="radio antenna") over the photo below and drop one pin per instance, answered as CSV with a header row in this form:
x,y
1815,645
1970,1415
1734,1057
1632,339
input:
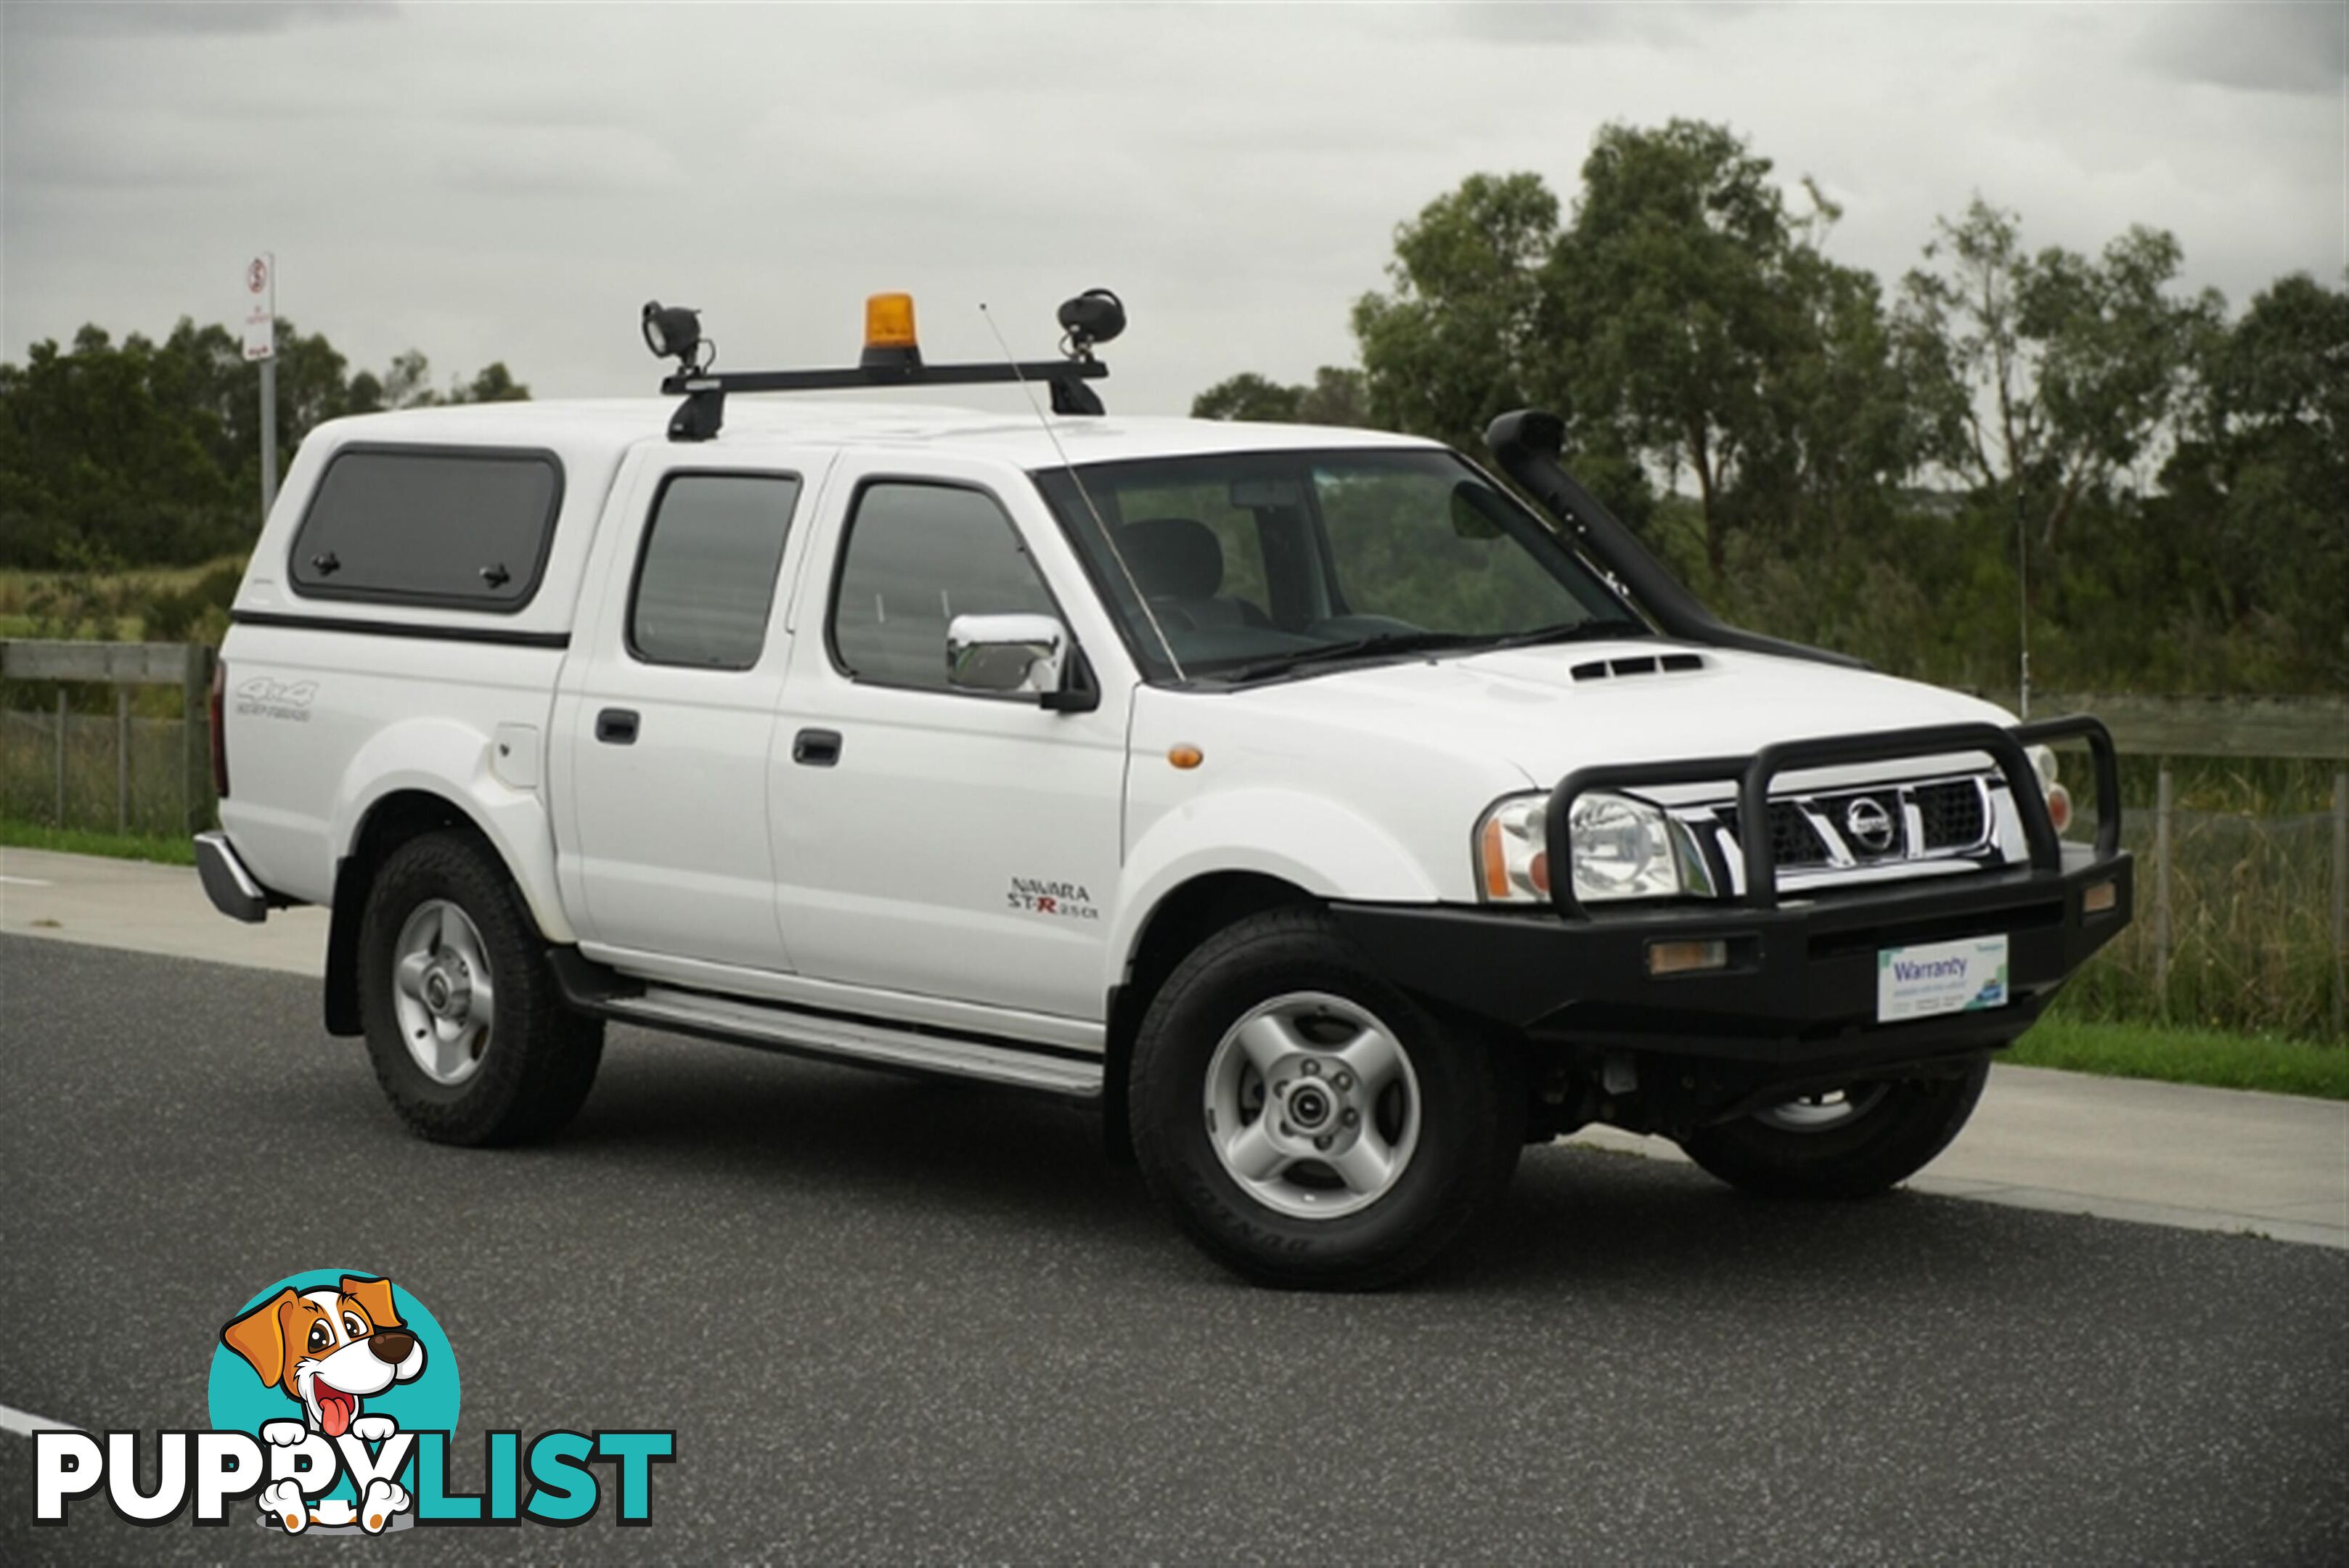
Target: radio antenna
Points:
x,y
1141,599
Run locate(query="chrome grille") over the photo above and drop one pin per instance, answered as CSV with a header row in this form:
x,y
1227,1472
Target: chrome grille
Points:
x,y
1793,840
1887,824
1951,815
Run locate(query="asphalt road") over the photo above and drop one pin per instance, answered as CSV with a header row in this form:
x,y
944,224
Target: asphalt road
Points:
x,y
891,1321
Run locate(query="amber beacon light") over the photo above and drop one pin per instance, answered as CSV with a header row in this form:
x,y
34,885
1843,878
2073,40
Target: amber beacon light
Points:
x,y
889,340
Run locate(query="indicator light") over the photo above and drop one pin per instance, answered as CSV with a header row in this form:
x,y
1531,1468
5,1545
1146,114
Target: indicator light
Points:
x,y
1685,958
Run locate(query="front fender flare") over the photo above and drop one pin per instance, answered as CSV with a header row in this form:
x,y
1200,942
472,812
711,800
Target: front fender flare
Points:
x,y
1306,840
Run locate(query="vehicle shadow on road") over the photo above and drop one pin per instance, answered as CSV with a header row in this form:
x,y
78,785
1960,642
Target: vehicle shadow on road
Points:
x,y
1575,1216
703,1110
1601,1218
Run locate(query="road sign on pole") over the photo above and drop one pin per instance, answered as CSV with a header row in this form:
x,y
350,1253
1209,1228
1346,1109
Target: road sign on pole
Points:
x,y
261,308
261,343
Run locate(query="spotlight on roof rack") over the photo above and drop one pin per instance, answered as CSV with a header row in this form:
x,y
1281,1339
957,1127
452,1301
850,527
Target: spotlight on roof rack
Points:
x,y
1096,315
892,358
673,332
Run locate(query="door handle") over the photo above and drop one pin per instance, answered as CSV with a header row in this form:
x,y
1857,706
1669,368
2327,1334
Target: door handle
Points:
x,y
617,726
816,748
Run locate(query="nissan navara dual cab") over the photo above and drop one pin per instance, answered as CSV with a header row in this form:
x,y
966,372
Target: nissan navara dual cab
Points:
x,y
1334,822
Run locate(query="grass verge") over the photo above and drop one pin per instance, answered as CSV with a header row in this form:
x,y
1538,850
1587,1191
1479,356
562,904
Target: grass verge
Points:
x,y
2209,1057
171,851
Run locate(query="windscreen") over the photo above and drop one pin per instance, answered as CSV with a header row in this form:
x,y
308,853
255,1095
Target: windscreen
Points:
x,y
1251,563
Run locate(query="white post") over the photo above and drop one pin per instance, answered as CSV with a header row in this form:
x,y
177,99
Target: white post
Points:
x,y
2161,926
122,759
2341,903
268,437
261,343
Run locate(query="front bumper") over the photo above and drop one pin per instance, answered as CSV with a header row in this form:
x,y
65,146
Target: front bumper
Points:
x,y
1800,989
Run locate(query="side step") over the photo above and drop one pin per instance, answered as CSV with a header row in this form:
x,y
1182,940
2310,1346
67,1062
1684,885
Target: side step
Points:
x,y
828,1036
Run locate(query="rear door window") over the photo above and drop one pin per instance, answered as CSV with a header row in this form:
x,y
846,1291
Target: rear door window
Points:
x,y
462,528
707,577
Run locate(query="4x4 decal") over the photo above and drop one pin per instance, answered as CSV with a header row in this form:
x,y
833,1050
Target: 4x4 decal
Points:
x,y
263,698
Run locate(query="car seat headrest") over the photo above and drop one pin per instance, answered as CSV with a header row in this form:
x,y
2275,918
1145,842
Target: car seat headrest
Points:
x,y
1174,558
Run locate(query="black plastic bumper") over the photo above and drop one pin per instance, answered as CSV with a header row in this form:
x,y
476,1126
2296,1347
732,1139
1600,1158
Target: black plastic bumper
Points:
x,y
1800,986
227,883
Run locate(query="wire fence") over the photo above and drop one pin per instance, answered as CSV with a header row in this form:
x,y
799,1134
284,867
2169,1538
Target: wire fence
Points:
x,y
116,773
2246,938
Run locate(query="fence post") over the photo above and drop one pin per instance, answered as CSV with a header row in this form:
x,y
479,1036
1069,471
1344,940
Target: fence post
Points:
x,y
195,732
61,756
122,759
2341,903
2161,926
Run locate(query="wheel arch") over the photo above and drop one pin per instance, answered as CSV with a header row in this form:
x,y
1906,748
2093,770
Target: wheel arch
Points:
x,y
392,818
1186,915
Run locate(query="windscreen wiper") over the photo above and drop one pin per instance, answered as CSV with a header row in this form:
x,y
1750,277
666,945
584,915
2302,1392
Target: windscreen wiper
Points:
x,y
1387,642
1375,646
1576,631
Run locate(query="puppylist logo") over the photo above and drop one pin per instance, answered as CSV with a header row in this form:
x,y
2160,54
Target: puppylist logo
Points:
x,y
332,1399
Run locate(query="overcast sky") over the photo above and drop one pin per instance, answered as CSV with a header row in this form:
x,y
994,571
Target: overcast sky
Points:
x,y
511,181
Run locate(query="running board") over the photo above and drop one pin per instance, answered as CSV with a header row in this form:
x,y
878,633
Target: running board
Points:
x,y
831,1037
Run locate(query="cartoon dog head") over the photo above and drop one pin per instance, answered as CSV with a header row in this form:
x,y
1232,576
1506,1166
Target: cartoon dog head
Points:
x,y
328,1349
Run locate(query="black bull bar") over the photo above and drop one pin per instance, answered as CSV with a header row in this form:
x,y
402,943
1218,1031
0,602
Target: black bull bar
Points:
x,y
1754,775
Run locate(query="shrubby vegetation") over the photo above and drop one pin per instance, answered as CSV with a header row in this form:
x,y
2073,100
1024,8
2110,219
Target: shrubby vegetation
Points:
x,y
1890,470
143,453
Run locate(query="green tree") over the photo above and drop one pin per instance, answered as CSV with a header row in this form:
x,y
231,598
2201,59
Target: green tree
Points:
x,y
1464,335
1673,303
2048,375
493,384
2255,512
1249,396
1838,430
1335,397
92,459
146,454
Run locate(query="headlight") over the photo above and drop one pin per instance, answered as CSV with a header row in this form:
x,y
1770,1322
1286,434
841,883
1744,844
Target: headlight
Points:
x,y
1622,848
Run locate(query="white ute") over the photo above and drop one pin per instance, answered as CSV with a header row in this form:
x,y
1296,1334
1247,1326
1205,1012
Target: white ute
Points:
x,y
1334,821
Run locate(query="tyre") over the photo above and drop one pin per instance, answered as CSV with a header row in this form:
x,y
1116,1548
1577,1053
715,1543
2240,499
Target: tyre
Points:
x,y
1306,1124
1852,1143
468,1037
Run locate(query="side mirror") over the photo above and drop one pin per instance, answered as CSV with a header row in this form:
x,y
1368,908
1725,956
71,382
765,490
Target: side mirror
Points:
x,y
1006,654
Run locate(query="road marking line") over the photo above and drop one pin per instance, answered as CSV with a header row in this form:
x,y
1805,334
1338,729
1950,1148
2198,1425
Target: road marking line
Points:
x,y
25,882
25,1425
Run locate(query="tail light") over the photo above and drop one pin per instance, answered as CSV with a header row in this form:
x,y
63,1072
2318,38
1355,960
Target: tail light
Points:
x,y
217,708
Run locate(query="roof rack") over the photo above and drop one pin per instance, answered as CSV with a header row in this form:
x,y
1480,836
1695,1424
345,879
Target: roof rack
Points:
x,y
892,358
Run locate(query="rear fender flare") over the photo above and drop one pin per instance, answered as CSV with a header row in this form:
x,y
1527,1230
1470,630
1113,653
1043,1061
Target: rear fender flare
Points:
x,y
444,758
